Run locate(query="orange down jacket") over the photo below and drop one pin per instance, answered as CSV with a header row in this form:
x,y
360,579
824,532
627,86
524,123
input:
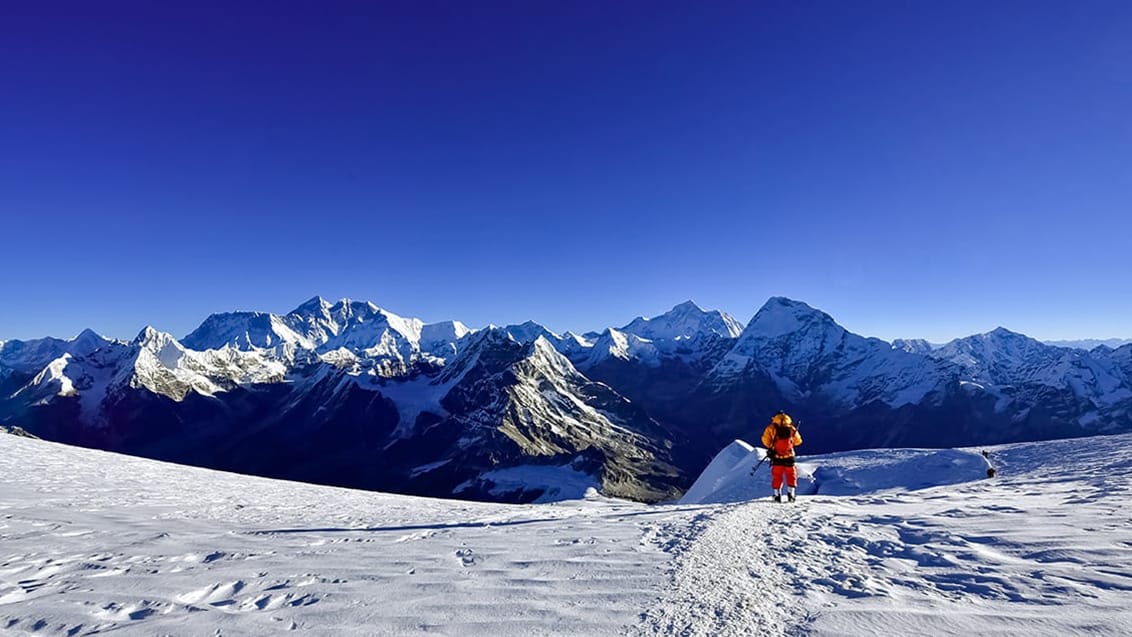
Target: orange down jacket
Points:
x,y
783,447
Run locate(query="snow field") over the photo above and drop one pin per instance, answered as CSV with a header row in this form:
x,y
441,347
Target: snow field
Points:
x,y
92,543
1045,550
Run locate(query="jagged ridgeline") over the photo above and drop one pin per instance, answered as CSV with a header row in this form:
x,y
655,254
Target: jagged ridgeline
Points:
x,y
352,395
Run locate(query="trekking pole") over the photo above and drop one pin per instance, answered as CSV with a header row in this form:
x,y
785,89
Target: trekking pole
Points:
x,y
759,464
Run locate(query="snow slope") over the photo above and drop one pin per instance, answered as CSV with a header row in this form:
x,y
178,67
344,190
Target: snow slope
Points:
x,y
1044,548
92,542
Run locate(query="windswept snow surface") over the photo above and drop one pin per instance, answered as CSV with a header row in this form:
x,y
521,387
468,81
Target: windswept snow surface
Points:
x,y
1044,548
92,542
895,542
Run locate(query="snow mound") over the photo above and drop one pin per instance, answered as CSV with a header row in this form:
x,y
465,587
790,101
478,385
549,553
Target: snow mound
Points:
x,y
725,474
729,478
874,470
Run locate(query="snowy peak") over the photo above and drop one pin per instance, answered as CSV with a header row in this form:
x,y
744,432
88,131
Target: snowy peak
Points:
x,y
568,344
1001,333
154,340
784,334
450,330
358,326
805,352
314,319
157,349
686,333
442,339
529,331
781,316
163,366
1003,339
1004,358
541,354
315,306
244,330
913,345
685,321
159,363
493,351
1000,356
86,343
623,346
487,346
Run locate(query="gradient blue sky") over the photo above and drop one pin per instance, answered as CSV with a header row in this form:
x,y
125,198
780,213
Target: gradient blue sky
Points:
x,y
916,169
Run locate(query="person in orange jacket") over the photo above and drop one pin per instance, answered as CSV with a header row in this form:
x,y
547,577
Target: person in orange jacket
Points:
x,y
780,437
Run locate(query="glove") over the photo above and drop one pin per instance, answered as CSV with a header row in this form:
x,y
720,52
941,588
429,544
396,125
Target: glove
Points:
x,y
770,453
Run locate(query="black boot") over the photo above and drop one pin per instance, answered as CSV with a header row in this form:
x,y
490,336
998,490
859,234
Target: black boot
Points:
x,y
778,498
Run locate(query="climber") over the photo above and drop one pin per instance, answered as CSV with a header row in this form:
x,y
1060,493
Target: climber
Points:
x,y
780,437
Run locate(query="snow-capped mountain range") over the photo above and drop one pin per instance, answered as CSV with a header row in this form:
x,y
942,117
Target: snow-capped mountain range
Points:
x,y
1092,343
351,394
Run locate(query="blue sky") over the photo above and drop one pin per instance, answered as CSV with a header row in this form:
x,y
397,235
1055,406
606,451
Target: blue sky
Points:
x,y
915,169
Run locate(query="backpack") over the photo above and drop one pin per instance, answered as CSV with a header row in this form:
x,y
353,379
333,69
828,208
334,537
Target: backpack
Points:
x,y
784,440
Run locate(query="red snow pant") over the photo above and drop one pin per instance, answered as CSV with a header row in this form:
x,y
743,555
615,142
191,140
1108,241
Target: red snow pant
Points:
x,y
777,473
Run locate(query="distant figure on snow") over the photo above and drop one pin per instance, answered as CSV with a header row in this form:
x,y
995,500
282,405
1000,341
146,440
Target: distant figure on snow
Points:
x,y
780,437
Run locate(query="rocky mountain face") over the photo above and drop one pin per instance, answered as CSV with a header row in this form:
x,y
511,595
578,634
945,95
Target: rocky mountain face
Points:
x,y
14,430
353,395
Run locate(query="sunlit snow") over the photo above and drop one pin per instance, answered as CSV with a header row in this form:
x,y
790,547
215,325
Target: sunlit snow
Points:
x,y
890,542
